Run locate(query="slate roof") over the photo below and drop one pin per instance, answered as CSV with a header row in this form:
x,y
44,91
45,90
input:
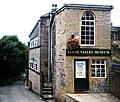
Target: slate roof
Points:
x,y
85,7
90,6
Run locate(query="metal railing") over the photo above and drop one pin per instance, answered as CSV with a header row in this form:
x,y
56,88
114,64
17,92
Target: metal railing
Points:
x,y
116,66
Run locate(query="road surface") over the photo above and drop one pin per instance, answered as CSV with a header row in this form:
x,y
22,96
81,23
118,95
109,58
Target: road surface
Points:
x,y
17,93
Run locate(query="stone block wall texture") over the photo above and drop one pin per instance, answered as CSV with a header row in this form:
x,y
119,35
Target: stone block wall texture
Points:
x,y
35,82
39,53
34,78
115,83
44,28
67,22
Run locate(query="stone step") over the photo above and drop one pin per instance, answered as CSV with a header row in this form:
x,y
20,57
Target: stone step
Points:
x,y
47,97
47,89
47,92
48,85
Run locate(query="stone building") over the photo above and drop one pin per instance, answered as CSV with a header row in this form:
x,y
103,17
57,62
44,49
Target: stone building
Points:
x,y
38,53
74,50
115,35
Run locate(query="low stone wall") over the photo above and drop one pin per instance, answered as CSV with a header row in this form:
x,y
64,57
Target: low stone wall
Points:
x,y
115,83
69,98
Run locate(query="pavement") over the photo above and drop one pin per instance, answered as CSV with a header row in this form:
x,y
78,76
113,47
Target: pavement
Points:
x,y
94,97
18,93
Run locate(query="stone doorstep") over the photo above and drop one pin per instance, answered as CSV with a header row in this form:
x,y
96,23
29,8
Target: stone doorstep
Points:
x,y
48,96
93,97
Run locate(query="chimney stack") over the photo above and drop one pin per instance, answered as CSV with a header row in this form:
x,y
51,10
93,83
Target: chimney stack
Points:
x,y
54,7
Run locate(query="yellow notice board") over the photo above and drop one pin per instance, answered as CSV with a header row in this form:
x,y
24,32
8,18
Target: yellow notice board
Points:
x,y
80,71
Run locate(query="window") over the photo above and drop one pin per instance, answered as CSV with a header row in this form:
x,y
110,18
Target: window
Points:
x,y
34,42
98,68
87,29
115,36
31,64
35,64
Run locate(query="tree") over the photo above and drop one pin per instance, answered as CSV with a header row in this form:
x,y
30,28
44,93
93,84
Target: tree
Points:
x,y
13,58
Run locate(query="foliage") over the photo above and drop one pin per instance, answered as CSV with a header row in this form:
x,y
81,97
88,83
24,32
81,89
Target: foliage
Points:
x,y
115,59
13,57
73,43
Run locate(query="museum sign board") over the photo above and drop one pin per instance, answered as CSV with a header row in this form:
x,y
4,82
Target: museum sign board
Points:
x,y
89,52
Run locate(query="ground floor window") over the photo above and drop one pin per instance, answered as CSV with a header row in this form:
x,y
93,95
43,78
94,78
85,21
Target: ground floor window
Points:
x,y
98,68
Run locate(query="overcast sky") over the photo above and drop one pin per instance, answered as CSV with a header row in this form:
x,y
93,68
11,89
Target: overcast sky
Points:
x,y
18,17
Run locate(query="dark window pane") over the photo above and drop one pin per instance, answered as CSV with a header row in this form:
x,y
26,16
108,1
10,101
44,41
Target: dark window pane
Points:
x,y
93,66
92,42
97,66
83,22
102,66
87,32
92,37
82,42
93,61
93,75
102,70
92,23
92,28
91,18
83,18
98,75
87,14
87,28
83,33
102,61
87,23
82,37
93,70
103,75
92,33
87,37
82,28
87,42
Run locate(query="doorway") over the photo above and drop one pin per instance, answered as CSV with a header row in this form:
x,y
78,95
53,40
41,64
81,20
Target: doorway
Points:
x,y
81,79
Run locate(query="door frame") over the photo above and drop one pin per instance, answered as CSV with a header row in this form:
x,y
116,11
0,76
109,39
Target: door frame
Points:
x,y
87,75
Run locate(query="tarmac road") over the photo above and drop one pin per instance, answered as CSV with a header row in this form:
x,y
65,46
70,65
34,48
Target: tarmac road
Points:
x,y
17,93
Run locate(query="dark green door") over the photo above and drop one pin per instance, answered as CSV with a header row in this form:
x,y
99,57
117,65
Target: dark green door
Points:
x,y
81,82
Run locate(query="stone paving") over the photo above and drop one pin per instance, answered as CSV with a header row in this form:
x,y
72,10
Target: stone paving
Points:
x,y
18,93
93,97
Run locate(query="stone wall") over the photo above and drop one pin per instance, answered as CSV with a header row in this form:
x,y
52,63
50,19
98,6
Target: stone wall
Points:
x,y
34,82
34,53
67,23
115,83
44,28
59,56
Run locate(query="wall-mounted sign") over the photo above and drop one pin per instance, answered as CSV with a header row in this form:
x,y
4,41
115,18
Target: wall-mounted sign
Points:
x,y
89,52
80,69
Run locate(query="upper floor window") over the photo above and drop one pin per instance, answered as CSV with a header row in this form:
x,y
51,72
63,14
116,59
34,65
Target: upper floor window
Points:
x,y
34,42
87,29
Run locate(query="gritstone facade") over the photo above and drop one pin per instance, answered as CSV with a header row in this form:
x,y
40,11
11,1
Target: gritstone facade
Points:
x,y
71,48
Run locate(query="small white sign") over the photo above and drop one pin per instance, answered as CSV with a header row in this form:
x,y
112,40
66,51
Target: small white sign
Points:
x,y
80,69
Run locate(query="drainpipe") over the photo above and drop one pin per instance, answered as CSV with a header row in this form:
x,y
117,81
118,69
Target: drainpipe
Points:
x,y
49,46
49,54
40,88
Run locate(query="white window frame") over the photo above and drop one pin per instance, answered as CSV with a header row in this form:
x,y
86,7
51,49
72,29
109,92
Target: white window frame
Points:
x,y
100,68
89,30
35,65
31,63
